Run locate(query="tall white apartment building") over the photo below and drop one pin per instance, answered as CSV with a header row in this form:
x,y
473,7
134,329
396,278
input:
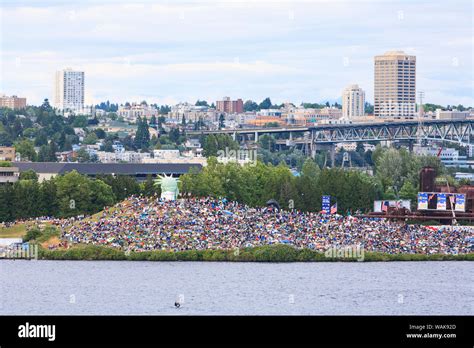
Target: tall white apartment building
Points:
x,y
69,90
395,85
353,102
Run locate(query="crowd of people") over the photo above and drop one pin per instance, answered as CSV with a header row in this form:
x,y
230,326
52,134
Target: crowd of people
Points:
x,y
149,223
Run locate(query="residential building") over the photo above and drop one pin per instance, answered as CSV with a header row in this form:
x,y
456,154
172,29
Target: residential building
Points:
x,y
139,171
346,146
330,112
241,118
7,153
300,116
118,146
460,175
230,106
130,113
451,115
166,154
449,156
122,129
193,147
192,144
132,156
192,113
12,102
182,159
121,157
353,102
69,90
353,146
262,121
395,85
470,150
9,175
66,156
270,112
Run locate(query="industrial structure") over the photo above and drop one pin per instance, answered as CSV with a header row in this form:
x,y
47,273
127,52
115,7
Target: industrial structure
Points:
x,y
443,210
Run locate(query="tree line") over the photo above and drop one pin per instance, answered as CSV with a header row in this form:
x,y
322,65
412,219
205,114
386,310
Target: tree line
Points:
x,y
396,176
255,184
67,195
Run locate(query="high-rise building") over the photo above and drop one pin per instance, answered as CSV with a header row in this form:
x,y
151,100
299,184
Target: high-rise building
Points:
x,y
12,102
395,85
230,106
69,90
353,102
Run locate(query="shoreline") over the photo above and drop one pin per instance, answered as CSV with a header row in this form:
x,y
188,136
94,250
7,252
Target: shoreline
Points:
x,y
268,253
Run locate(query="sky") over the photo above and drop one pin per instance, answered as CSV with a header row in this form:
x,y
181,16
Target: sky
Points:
x,y
167,52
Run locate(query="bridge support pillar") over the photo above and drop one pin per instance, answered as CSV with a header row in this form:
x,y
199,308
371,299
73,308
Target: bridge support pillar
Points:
x,y
330,148
410,146
332,152
312,149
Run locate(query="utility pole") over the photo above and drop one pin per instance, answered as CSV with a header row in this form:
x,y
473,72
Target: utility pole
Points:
x,y
419,134
451,201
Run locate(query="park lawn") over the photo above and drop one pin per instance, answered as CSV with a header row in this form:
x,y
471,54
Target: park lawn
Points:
x,y
18,230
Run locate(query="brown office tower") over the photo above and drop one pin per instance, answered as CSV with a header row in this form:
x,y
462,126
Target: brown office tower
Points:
x,y
427,179
230,106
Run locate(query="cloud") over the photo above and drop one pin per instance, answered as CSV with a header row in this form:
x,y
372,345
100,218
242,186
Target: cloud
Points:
x,y
185,50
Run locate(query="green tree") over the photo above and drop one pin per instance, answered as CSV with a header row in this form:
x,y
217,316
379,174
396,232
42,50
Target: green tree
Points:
x,y
30,174
221,121
7,212
265,104
101,196
153,122
148,188
49,205
26,149
267,141
408,191
250,105
82,156
122,185
201,103
26,194
390,169
52,149
368,108
142,135
100,133
307,186
73,194
90,139
43,154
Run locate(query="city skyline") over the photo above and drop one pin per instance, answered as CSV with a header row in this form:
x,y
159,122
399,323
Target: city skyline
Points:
x,y
291,51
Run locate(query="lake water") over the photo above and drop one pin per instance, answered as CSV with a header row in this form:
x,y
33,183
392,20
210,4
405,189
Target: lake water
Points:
x,y
207,288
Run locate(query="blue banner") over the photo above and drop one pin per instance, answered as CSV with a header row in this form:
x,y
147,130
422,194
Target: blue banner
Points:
x,y
441,204
422,200
326,204
460,203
